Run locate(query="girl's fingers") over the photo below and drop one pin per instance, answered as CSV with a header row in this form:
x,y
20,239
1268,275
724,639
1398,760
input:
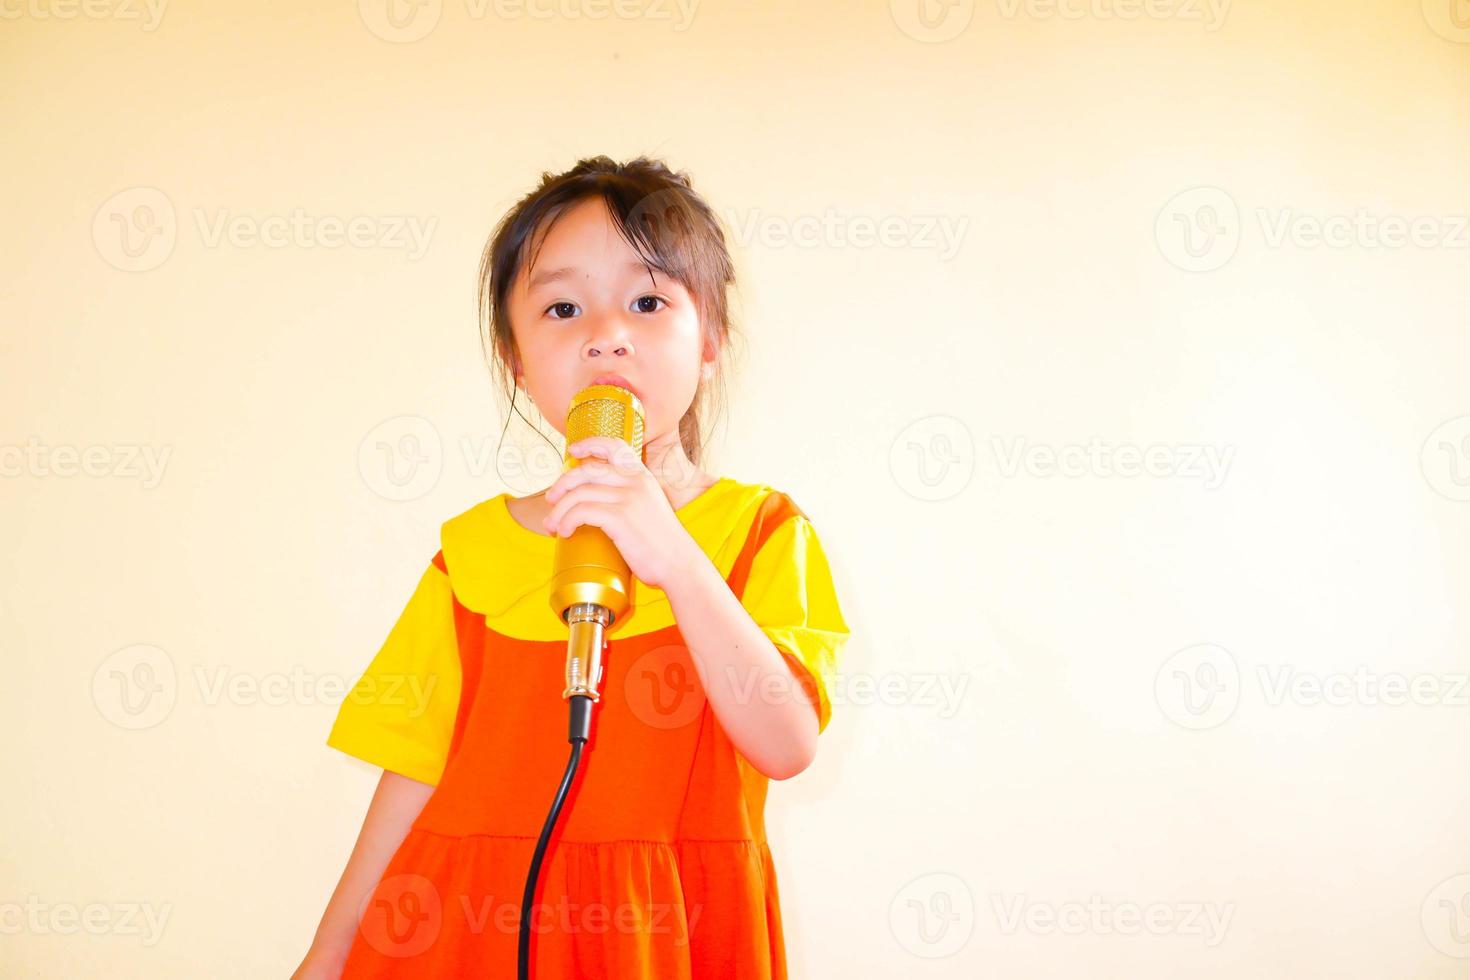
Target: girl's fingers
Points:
x,y
569,502
592,471
618,453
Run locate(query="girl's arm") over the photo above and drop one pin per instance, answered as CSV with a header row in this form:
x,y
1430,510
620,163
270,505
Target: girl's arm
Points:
x,y
738,667
395,806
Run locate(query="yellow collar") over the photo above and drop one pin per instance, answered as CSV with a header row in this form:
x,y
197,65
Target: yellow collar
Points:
x,y
502,570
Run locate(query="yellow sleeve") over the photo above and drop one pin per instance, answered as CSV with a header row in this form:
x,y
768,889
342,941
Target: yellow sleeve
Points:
x,y
790,595
400,714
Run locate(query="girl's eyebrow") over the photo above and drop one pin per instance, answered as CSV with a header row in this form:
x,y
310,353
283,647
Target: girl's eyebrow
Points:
x,y
568,272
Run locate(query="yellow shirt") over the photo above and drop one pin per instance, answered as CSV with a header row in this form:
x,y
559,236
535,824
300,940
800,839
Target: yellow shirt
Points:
x,y
401,713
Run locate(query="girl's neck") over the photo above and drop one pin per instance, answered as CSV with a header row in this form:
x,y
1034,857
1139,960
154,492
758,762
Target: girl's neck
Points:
x,y
670,465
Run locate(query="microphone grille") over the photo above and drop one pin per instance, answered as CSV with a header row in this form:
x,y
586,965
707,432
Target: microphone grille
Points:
x,y
606,410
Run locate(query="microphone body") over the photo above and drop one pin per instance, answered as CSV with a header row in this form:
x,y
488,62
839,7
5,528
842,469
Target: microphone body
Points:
x,y
591,585
591,589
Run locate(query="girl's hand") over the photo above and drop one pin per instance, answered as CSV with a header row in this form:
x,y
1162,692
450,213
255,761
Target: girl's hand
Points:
x,y
613,490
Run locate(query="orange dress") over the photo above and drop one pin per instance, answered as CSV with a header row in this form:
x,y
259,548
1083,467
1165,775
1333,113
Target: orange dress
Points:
x,y
659,865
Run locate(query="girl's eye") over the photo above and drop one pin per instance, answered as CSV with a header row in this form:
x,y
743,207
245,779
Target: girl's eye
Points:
x,y
565,310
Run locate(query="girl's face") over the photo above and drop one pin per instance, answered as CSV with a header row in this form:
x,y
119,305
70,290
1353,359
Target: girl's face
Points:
x,y
590,306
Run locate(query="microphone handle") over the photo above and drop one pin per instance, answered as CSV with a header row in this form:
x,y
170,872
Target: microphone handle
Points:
x,y
588,622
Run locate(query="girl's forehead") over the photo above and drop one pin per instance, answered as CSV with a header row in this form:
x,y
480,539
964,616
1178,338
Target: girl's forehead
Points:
x,y
584,243
583,237
586,226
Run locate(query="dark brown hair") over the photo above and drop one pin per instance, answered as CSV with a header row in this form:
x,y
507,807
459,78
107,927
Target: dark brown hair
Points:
x,y
666,222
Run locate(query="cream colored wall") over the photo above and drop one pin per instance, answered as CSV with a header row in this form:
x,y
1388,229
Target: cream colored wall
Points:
x,y
1089,744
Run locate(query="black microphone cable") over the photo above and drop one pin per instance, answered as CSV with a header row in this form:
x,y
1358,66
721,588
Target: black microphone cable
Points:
x,y
584,672
580,722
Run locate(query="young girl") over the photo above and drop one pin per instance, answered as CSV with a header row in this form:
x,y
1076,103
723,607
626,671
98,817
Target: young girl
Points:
x,y
716,680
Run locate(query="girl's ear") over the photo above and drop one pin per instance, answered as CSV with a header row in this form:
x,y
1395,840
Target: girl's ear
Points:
x,y
707,361
515,368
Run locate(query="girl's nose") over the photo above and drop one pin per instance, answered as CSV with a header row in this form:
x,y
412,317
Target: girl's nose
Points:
x,y
609,337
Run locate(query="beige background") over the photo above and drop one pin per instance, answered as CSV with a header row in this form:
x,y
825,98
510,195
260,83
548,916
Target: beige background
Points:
x,y
1132,775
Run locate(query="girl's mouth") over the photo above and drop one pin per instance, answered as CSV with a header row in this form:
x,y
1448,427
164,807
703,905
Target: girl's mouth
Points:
x,y
615,379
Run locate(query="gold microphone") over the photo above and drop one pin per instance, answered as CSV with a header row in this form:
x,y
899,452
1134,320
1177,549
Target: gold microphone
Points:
x,y
591,586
